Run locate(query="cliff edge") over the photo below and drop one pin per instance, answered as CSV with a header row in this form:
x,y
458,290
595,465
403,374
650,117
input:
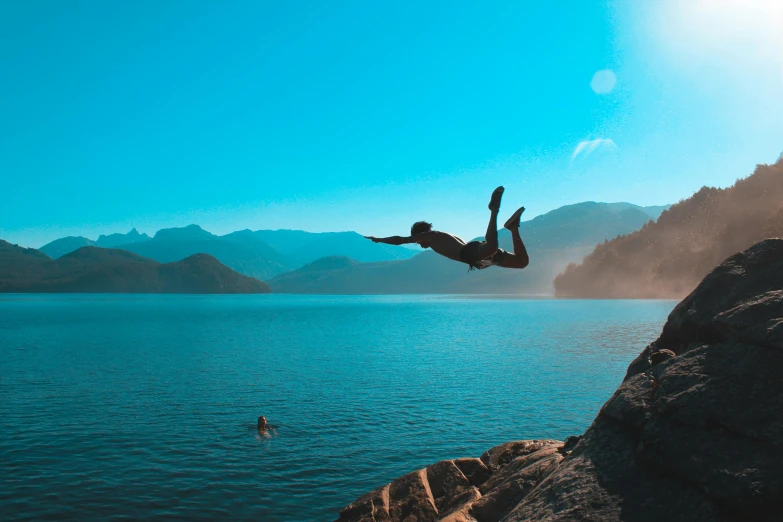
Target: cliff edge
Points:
x,y
694,432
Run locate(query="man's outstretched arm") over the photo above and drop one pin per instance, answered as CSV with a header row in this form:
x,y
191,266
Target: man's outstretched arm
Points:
x,y
393,240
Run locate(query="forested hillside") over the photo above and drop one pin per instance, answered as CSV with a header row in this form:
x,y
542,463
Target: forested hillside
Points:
x,y
668,258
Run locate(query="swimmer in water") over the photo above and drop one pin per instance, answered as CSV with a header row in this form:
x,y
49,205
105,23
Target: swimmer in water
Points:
x,y
265,429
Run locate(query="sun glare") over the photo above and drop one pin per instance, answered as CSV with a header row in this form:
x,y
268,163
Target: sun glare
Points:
x,y
736,30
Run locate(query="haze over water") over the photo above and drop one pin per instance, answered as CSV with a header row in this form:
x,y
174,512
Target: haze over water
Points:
x,y
145,406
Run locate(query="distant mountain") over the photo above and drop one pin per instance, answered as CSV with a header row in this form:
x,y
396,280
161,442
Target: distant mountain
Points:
x,y
93,269
19,263
60,247
188,233
325,275
553,240
113,240
65,245
582,224
653,211
668,258
285,241
304,247
9,253
261,254
239,251
250,239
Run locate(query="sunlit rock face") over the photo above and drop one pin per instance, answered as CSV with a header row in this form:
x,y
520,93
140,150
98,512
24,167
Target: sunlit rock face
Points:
x,y
694,432
463,489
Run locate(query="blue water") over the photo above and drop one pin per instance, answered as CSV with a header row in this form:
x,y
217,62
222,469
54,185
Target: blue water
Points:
x,y
145,406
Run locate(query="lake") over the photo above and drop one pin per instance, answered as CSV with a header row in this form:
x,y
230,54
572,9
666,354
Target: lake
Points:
x,y
127,406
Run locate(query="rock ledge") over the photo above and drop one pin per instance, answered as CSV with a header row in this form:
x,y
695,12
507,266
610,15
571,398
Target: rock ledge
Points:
x,y
462,490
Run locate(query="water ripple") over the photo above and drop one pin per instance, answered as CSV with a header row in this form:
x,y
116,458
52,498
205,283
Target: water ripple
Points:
x,y
129,407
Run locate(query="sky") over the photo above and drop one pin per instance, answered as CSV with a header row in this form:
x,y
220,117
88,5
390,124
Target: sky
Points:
x,y
368,116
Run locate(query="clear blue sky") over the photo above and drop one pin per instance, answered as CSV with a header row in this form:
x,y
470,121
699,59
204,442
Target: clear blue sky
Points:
x,y
368,116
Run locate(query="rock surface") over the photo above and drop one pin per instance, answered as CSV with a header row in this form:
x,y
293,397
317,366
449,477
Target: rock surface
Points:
x,y
462,490
694,432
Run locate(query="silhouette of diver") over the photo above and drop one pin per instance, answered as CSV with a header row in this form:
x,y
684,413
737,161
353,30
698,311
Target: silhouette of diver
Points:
x,y
476,254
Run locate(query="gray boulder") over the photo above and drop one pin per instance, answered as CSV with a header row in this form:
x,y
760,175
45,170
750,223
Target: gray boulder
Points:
x,y
694,432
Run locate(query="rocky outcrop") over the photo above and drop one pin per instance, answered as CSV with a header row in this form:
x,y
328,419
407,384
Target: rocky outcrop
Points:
x,y
694,432
462,490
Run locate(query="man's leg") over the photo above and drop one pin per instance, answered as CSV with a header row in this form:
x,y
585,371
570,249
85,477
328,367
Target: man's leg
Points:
x,y
490,246
519,259
491,237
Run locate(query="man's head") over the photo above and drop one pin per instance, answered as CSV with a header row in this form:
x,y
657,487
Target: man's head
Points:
x,y
262,422
420,227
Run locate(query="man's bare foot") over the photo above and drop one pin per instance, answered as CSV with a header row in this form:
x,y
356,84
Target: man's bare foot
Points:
x,y
494,202
513,221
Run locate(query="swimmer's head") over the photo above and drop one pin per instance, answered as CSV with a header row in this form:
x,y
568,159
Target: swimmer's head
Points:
x,y
262,423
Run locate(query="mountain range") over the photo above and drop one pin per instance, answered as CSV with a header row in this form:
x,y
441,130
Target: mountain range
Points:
x,y
65,245
345,262
262,254
668,258
106,270
553,240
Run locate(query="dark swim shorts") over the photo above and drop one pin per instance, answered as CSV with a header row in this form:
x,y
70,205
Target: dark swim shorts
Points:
x,y
471,253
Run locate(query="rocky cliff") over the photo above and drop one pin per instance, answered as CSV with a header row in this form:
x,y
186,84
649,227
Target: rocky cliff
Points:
x,y
694,432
